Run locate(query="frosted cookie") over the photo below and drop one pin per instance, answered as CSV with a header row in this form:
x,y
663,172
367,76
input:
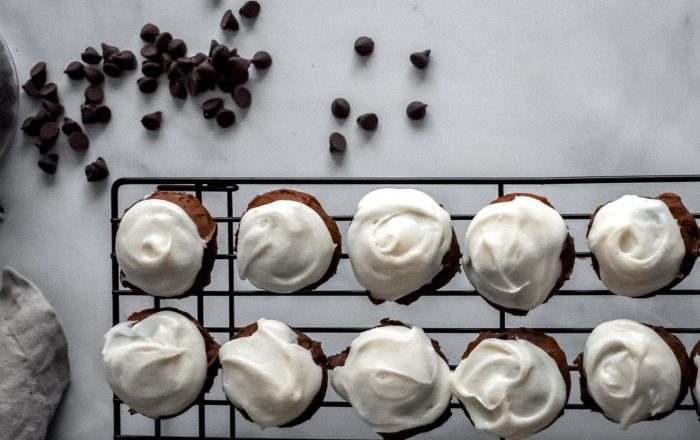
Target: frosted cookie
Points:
x,y
286,242
643,245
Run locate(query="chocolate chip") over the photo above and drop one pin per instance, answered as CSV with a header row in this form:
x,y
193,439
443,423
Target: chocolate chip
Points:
x,y
225,118
175,72
199,58
162,41
31,126
42,116
151,52
368,121
178,90
337,142
416,110
211,107
31,89
112,69
149,31
75,70
250,9
151,69
242,97
147,85
97,170
261,60
94,75
126,60
177,48
48,133
78,141
54,109
165,61
229,22
108,51
103,114
91,56
38,74
340,108
225,84
48,163
420,59
213,45
70,126
94,94
239,69
43,147
186,64
364,46
207,74
87,114
49,92
219,56
152,121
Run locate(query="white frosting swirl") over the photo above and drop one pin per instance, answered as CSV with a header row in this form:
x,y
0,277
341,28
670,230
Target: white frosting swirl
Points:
x,y
397,240
269,375
638,245
283,246
631,371
158,248
512,252
394,379
510,388
157,366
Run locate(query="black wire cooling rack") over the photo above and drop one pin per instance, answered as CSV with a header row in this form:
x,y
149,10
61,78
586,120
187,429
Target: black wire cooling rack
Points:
x,y
229,186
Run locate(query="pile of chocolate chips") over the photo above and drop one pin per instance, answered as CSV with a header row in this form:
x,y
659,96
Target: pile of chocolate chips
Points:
x,y
340,107
222,68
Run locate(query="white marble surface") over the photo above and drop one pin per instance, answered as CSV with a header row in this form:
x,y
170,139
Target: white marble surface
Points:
x,y
514,87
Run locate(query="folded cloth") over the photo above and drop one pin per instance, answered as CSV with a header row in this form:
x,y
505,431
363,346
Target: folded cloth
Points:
x,y
34,369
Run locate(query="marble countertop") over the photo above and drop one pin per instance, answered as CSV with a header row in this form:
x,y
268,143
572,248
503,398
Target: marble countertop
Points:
x,y
514,88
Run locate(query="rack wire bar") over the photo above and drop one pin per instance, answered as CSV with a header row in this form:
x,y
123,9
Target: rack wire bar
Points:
x,y
229,186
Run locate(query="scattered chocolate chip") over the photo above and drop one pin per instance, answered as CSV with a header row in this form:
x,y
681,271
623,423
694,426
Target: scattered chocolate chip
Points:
x,y
91,56
213,45
186,64
31,126
250,9
48,163
70,126
337,142
97,170
78,141
420,59
48,132
229,22
94,94
49,92
151,69
199,58
239,69
416,110
207,74
87,114
177,48
219,56
149,31
211,107
165,61
225,84
152,121
126,60
109,51
103,114
225,118
54,109
242,97
94,75
340,108
368,121
261,60
112,69
38,74
147,85
178,90
150,51
42,116
75,70
43,147
31,89
175,72
364,46
162,41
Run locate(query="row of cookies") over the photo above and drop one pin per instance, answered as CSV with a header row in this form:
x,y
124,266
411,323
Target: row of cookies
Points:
x,y
512,383
517,251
